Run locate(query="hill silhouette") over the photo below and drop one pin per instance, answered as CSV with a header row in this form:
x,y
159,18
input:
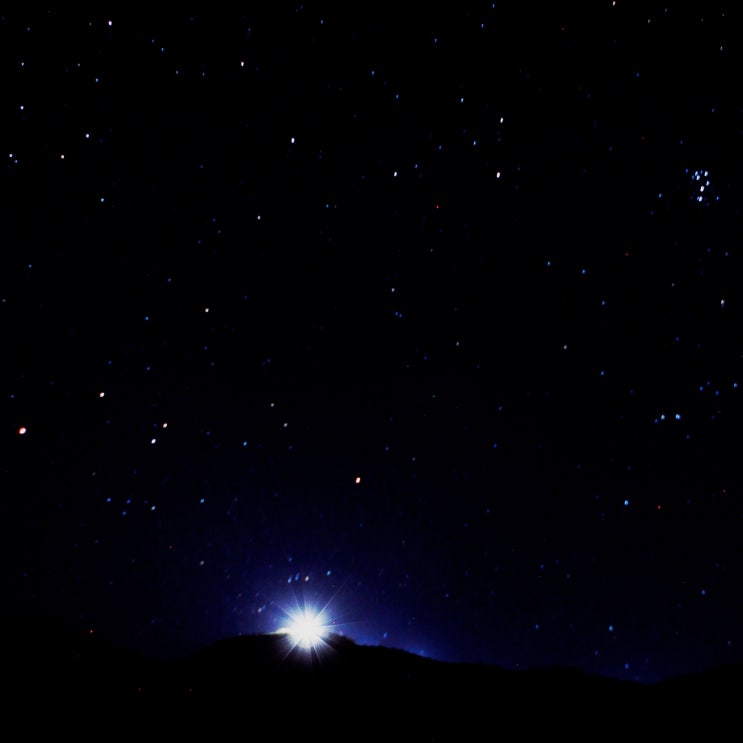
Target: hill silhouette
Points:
x,y
57,679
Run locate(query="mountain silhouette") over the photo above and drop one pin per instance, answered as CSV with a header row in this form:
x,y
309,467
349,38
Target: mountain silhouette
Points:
x,y
57,679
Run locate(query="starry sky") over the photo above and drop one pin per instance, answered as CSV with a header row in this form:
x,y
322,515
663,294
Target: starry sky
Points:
x,y
431,319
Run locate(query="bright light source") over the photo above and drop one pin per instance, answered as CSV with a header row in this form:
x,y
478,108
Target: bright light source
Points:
x,y
307,626
307,630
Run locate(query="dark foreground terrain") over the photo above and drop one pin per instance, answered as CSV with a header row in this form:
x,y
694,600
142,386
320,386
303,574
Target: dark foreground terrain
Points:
x,y
57,681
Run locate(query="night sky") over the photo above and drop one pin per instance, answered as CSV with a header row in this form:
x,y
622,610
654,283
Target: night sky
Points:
x,y
434,318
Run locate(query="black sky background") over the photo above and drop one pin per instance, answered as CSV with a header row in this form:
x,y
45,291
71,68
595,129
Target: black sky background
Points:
x,y
462,253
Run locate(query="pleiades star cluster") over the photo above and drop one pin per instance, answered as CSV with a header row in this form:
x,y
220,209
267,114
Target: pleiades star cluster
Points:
x,y
426,320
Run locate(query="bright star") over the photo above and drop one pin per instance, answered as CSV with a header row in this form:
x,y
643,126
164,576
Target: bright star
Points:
x,y
311,627
307,629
